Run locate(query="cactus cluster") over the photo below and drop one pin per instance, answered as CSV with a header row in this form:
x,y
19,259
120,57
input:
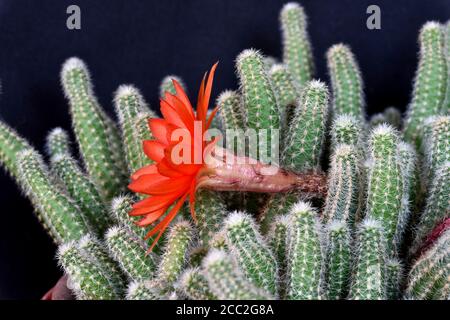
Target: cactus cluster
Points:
x,y
381,232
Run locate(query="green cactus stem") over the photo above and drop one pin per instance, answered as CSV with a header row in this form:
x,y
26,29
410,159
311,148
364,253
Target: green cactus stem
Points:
x,y
346,129
59,213
97,137
305,138
285,91
130,253
120,207
436,147
346,81
369,274
278,204
394,277
446,104
305,254
141,290
226,281
297,52
193,285
167,85
259,99
338,258
252,253
277,240
385,182
86,279
129,103
58,142
210,211
343,185
231,111
430,82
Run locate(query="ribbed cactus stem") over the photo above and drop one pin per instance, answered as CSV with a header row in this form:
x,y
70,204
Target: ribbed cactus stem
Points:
x,y
86,279
130,253
394,277
231,110
429,277
278,204
120,207
226,281
369,274
437,205
219,241
97,252
259,101
193,285
58,142
436,144
277,240
59,213
385,182
82,190
430,83
174,259
393,117
10,146
446,105
129,103
304,141
338,259
167,85
346,129
253,254
346,81
285,91
343,185
97,136
210,211
140,290
297,52
305,254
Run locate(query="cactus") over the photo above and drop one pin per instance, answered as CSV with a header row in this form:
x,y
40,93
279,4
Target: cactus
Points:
x,y
86,279
231,111
429,276
59,213
346,81
179,241
437,206
305,254
304,140
259,99
369,274
346,129
278,204
252,253
394,275
120,207
167,85
141,290
297,52
393,117
436,147
210,211
338,259
446,104
58,142
194,285
343,185
285,91
430,82
129,252
83,191
97,137
129,103
226,281
385,182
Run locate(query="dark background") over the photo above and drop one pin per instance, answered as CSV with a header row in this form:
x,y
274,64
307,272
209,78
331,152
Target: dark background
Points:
x,y
140,42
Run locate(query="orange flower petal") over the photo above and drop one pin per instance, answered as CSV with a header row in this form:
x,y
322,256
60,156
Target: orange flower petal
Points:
x,y
166,186
158,127
170,114
145,182
150,169
183,97
154,150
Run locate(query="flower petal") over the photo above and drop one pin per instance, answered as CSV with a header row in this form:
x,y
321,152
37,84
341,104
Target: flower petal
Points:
x,y
158,127
154,150
150,169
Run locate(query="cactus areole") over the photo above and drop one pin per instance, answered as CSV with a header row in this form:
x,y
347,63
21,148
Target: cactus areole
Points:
x,y
184,162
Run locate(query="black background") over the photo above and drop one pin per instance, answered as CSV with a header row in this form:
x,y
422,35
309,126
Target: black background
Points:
x,y
140,42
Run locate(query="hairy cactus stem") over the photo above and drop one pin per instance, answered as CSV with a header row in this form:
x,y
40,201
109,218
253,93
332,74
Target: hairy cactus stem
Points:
x,y
224,171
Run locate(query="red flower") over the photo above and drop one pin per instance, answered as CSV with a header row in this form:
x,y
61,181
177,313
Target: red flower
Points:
x,y
169,182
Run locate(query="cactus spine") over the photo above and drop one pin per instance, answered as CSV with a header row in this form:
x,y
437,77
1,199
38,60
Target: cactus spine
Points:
x,y
369,274
297,52
226,281
437,143
231,111
338,258
95,133
430,83
346,81
59,212
58,142
385,182
346,129
394,275
87,279
210,211
304,140
285,91
250,250
120,207
141,290
130,254
167,85
305,254
278,204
